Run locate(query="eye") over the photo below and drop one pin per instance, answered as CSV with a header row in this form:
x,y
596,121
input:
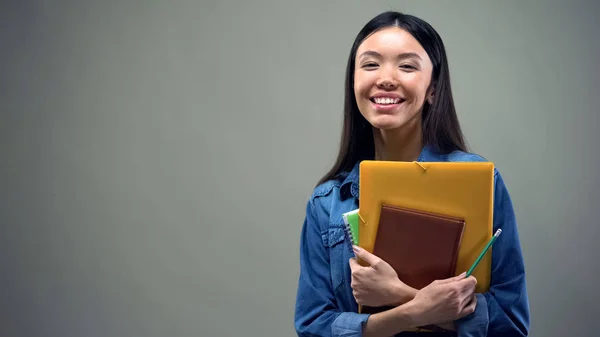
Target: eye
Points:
x,y
408,67
369,65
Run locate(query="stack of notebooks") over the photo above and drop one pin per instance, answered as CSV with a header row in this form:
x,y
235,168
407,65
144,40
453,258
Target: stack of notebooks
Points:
x,y
429,221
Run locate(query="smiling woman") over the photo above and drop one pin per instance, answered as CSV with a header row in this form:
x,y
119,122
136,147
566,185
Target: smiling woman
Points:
x,y
385,67
391,84
399,106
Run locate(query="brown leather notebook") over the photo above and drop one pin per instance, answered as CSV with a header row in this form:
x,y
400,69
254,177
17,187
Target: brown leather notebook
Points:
x,y
421,246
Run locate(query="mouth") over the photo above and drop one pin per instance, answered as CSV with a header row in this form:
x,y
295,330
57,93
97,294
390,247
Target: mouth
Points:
x,y
386,102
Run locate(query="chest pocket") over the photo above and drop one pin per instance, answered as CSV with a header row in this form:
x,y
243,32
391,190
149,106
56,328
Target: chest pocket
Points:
x,y
339,254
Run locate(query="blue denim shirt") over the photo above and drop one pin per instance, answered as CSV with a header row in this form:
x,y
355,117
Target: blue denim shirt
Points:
x,y
325,305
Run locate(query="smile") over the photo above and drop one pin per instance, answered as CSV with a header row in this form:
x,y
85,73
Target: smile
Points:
x,y
386,104
386,100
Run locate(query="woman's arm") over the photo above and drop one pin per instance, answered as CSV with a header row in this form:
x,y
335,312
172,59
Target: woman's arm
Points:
x,y
504,309
316,312
390,322
440,301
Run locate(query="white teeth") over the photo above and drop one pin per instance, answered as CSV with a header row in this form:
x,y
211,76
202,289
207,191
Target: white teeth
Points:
x,y
386,100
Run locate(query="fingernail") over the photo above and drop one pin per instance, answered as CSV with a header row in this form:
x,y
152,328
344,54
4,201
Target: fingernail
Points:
x,y
356,248
464,273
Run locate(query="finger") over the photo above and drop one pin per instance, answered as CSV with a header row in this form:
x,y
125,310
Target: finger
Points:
x,y
470,307
354,265
466,299
366,256
468,284
453,279
467,289
356,296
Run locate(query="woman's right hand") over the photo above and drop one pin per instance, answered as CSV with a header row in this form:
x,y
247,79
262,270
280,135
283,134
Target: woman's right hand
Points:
x,y
445,300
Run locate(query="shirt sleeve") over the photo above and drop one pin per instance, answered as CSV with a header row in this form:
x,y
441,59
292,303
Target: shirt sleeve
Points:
x,y
504,309
316,311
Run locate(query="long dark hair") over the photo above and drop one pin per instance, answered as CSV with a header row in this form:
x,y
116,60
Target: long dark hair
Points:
x,y
441,129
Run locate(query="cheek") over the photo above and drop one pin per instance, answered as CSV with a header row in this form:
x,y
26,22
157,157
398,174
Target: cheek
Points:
x,y
415,86
362,84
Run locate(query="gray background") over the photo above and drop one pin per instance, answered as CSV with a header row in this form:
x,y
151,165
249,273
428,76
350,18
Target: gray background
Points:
x,y
157,156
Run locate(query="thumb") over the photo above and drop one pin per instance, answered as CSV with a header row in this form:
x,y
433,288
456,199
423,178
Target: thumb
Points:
x,y
365,256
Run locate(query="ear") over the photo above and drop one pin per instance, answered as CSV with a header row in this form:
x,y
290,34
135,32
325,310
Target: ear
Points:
x,y
430,95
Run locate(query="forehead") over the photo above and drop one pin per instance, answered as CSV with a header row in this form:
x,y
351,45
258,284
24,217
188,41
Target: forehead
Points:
x,y
391,41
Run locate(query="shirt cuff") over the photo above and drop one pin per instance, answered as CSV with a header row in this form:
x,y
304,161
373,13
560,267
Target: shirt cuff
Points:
x,y
349,324
475,324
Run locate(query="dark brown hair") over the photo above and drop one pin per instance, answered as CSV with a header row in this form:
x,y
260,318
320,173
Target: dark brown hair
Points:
x,y
441,129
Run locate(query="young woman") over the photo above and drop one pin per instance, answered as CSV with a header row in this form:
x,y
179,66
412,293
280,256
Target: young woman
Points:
x,y
399,106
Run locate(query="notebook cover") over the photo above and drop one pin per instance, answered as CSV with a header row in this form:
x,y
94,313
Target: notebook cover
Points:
x,y
351,226
460,189
421,246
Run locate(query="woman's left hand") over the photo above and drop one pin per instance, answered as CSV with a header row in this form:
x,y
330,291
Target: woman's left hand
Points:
x,y
377,284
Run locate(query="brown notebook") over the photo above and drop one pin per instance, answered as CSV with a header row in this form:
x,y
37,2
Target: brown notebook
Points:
x,y
421,246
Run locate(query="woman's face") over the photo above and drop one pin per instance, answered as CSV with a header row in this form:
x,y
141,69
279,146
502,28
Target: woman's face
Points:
x,y
391,78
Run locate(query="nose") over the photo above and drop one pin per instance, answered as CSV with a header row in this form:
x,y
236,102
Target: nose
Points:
x,y
387,81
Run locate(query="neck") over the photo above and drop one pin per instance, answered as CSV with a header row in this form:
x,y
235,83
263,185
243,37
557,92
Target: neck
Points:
x,y
399,144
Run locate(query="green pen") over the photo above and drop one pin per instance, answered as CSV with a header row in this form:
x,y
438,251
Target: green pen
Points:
x,y
487,247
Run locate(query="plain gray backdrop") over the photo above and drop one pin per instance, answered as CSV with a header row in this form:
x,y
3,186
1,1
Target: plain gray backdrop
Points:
x,y
156,156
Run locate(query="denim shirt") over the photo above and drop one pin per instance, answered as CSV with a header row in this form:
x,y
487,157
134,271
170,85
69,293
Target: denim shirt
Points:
x,y
325,305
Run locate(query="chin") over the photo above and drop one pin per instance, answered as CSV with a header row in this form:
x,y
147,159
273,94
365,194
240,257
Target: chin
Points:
x,y
386,123
385,127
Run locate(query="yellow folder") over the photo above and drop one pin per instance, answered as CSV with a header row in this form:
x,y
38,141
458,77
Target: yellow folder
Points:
x,y
462,189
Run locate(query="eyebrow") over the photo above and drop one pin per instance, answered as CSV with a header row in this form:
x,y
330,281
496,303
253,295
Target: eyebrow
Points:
x,y
400,56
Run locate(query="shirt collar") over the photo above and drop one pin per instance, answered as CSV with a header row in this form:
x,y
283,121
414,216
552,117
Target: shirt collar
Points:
x,y
350,184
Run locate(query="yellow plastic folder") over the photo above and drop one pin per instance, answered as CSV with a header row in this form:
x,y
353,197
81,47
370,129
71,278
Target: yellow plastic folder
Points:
x,y
461,189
